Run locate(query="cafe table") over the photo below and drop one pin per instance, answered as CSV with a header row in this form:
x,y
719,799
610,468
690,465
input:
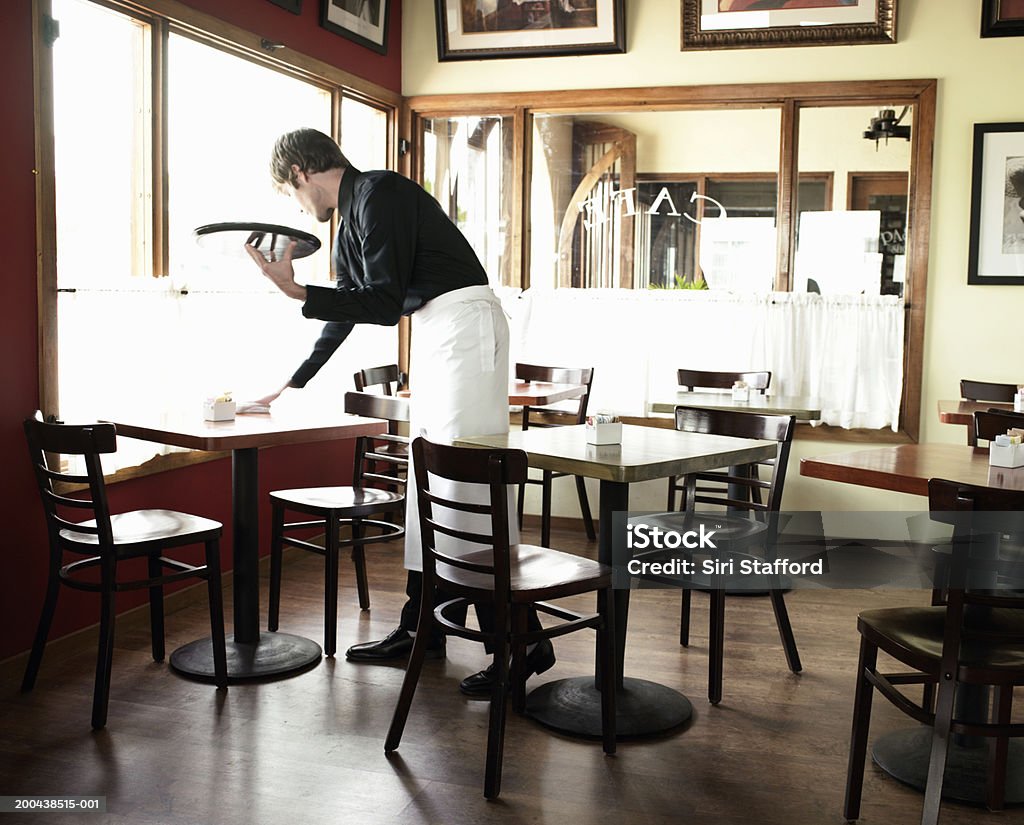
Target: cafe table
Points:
x,y
962,411
642,707
803,408
535,393
906,468
251,654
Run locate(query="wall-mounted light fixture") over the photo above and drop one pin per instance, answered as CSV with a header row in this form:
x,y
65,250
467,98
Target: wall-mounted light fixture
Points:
x,y
887,125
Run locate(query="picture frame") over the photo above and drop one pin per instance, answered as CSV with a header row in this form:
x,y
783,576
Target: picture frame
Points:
x,y
294,6
742,24
498,29
996,249
362,21
1002,18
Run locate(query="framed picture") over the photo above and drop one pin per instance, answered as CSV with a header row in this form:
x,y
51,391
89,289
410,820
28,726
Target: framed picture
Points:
x,y
741,24
484,29
997,205
364,21
294,6
1002,18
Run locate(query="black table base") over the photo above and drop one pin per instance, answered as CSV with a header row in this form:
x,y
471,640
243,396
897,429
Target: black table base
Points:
x,y
642,708
276,654
904,756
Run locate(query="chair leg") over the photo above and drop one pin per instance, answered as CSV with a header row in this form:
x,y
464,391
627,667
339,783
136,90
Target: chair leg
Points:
x,y
606,653
671,494
999,748
359,560
156,610
785,630
684,616
276,547
521,504
215,594
588,519
545,510
940,749
520,620
496,718
716,645
424,626
35,659
859,733
105,654
331,552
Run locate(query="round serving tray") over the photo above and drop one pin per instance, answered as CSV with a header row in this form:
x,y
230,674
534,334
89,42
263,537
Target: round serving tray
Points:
x,y
268,238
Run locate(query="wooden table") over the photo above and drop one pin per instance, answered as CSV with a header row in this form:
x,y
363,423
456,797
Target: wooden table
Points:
x,y
906,468
805,409
962,412
642,707
251,654
535,393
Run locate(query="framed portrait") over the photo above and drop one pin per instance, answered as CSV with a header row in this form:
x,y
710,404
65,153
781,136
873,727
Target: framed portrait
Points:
x,y
294,6
483,29
364,21
1002,18
741,24
996,254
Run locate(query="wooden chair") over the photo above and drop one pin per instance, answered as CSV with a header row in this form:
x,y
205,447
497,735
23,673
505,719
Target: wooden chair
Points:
x,y
337,507
105,540
692,380
987,425
511,578
549,417
737,492
387,379
975,639
985,391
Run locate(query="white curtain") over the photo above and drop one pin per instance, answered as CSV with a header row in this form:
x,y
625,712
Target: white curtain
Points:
x,y
846,351
149,354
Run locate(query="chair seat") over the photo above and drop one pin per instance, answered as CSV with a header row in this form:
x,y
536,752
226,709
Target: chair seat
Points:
x,y
918,631
357,501
139,528
533,570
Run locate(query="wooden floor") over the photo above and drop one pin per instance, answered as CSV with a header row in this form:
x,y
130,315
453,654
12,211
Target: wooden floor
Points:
x,y
309,749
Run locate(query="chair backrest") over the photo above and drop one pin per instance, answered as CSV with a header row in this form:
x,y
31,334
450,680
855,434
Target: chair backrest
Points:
x,y
483,523
778,428
987,425
557,375
88,441
387,379
986,391
387,450
693,379
980,517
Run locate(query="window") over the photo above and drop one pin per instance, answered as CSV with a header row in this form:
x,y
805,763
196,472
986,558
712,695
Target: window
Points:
x,y
147,322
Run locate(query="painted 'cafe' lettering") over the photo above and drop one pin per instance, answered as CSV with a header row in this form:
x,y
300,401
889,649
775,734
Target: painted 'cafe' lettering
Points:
x,y
595,214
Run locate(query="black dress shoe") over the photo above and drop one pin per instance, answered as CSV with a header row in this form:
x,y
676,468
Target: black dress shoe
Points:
x,y
396,645
538,660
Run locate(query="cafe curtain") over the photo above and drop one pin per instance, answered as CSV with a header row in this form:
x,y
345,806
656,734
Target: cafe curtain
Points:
x,y
844,350
153,352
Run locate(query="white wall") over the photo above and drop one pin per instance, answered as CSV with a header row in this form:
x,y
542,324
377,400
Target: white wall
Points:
x,y
970,331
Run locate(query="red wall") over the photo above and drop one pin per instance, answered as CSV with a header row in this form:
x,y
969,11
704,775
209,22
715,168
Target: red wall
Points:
x,y
203,489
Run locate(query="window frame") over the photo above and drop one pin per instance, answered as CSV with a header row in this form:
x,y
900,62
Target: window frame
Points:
x,y
163,17
789,98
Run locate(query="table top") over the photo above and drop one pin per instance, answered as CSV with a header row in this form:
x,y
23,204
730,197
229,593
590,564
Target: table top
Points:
x,y
535,393
245,431
804,408
645,452
906,468
962,412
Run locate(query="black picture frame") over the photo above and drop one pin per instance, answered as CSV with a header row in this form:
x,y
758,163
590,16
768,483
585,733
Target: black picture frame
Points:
x,y
541,28
294,6
996,247
997,21
362,21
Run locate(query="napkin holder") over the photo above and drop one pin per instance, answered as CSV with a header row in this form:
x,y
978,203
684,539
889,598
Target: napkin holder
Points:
x,y
1005,455
214,410
602,429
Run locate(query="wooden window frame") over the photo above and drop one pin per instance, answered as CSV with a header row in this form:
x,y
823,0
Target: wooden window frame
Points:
x,y
163,17
789,98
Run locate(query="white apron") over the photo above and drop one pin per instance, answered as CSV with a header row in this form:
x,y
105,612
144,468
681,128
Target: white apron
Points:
x,y
459,383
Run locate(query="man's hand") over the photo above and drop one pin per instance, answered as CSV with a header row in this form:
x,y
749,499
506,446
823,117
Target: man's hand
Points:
x,y
267,400
279,272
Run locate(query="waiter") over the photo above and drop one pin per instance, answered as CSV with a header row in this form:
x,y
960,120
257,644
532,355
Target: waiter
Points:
x,y
397,253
